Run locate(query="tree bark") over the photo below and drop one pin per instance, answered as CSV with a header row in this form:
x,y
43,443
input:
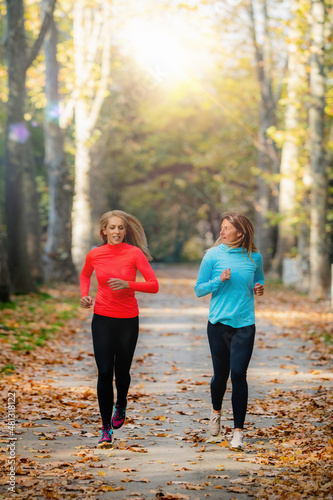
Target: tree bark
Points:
x,y
82,220
16,136
93,25
21,210
58,264
268,161
32,217
319,249
5,285
289,168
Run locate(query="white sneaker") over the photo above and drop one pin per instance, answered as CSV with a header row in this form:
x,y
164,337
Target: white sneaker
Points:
x,y
237,441
214,423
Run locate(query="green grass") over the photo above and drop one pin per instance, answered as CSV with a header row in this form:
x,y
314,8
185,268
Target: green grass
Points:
x,y
326,337
7,368
29,321
8,305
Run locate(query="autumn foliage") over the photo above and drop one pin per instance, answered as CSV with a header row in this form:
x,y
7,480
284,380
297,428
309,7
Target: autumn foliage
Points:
x,y
291,449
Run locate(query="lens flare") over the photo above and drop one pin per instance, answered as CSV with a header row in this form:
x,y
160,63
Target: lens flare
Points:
x,y
18,132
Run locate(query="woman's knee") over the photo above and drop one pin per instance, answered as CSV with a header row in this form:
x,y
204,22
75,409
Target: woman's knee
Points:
x,y
105,374
238,376
219,380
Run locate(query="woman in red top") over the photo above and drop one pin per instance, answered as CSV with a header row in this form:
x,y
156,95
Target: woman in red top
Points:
x,y
115,323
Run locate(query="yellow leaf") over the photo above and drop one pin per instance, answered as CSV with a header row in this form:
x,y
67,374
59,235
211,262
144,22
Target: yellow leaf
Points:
x,y
224,444
107,488
101,473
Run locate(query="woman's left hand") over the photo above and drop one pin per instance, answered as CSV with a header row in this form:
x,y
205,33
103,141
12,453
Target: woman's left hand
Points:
x,y
117,284
258,289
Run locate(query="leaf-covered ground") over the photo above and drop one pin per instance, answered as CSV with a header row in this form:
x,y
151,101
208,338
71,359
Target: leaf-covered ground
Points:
x,y
164,450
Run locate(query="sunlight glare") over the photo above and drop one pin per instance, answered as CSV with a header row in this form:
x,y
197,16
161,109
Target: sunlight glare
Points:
x,y
158,50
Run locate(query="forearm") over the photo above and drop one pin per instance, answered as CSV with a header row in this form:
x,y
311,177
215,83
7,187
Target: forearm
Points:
x,y
85,276
150,286
84,285
204,288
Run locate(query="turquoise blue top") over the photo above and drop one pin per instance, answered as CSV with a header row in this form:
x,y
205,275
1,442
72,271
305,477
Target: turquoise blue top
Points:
x,y
232,302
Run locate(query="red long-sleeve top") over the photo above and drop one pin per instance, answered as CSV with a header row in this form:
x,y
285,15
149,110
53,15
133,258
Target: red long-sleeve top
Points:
x,y
122,262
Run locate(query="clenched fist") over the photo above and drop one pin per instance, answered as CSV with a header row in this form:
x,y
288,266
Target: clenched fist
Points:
x,y
225,275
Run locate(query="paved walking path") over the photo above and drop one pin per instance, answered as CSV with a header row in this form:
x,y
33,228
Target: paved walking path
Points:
x,y
164,450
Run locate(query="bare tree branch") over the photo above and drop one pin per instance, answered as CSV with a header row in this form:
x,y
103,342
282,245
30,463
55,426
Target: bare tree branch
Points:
x,y
48,15
278,92
257,49
105,68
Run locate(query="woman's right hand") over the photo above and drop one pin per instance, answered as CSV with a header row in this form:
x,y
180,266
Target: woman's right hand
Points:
x,y
225,275
86,302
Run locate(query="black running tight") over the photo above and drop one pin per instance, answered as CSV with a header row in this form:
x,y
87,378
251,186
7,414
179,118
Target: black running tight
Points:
x,y
231,350
114,341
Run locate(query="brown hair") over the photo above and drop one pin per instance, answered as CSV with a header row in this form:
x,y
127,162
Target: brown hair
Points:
x,y
244,226
135,234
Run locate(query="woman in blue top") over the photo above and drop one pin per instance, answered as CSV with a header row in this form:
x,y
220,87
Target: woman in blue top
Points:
x,y
232,271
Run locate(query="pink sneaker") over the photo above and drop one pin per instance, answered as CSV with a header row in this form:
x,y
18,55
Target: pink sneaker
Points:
x,y
106,435
119,416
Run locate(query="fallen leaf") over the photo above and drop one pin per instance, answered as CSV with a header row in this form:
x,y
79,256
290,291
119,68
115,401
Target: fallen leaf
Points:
x,y
216,476
136,449
223,444
237,489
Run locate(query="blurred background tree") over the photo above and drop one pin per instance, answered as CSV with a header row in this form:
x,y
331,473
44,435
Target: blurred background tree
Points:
x,y
21,204
177,112
58,263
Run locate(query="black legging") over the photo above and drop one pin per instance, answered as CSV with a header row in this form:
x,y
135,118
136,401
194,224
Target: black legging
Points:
x,y
114,341
231,350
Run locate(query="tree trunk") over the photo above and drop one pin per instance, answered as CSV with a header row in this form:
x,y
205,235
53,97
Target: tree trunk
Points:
x,y
58,264
16,136
82,220
319,250
21,202
289,168
268,161
5,285
92,44
32,217
265,200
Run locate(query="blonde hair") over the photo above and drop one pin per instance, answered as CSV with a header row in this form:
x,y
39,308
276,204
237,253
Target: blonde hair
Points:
x,y
135,234
244,226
